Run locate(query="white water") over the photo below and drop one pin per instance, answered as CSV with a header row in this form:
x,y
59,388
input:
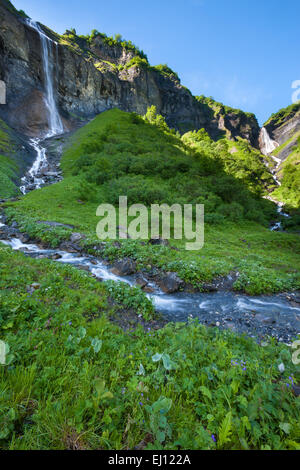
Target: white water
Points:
x,y
54,120
268,145
34,179
38,165
181,306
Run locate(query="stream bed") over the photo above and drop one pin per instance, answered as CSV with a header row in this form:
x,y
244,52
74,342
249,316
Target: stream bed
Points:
x,y
275,315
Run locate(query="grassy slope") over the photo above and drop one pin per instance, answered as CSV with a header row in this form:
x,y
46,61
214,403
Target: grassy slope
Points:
x,y
283,115
8,166
268,262
289,174
73,378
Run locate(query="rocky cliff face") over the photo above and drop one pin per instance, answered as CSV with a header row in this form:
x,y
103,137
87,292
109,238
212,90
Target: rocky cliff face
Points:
x,y
284,128
89,80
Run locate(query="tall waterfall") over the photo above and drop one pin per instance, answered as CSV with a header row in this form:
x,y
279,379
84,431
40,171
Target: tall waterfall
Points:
x,y
54,120
267,144
35,177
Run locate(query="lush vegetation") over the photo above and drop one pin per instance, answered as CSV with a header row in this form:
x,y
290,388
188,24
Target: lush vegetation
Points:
x,y
122,154
13,10
289,173
282,116
9,168
213,107
165,70
182,387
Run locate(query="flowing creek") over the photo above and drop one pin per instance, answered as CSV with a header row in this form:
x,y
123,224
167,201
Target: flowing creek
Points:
x,y
256,316
272,315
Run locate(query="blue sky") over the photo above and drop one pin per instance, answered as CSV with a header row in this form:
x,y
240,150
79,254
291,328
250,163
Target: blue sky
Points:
x,y
244,53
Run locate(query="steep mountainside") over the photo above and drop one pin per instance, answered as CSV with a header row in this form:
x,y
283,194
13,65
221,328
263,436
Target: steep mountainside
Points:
x,y
94,74
284,128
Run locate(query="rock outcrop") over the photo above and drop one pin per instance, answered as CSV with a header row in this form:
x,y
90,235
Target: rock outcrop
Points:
x,y
93,76
284,128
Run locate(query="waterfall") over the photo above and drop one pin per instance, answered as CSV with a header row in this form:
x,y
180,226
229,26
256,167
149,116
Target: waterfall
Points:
x,y
267,144
34,178
54,120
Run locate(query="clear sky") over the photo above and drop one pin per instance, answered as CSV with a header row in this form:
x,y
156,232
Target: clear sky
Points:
x,y
244,53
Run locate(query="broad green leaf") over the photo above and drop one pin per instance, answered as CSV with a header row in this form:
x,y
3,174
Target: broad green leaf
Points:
x,y
206,392
157,357
96,344
285,427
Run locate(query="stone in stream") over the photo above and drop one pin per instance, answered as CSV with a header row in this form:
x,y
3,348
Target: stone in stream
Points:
x,y
125,267
24,238
148,289
70,247
141,281
266,320
170,283
56,256
83,267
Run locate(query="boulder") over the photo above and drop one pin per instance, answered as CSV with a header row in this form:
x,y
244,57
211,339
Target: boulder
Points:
x,y
170,283
125,267
70,247
141,281
76,237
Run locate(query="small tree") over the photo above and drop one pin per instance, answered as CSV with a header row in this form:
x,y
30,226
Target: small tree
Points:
x,y
156,119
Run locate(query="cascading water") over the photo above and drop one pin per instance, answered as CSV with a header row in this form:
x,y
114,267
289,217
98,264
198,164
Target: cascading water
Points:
x,y
267,144
55,123
267,147
34,179
265,315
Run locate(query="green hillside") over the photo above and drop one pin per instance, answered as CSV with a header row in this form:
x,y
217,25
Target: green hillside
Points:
x,y
11,162
122,154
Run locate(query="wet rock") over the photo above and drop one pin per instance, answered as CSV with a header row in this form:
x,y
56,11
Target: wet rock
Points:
x,y
125,267
24,238
170,283
70,247
83,267
230,326
148,289
76,237
266,320
56,256
141,281
294,298
209,287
